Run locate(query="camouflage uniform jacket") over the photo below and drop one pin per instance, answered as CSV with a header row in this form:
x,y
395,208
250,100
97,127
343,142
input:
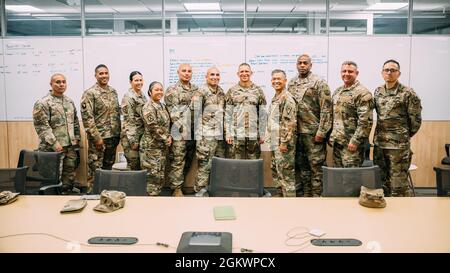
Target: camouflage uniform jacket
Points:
x,y
210,103
244,108
178,99
156,125
133,124
352,114
55,120
314,107
282,120
100,112
398,116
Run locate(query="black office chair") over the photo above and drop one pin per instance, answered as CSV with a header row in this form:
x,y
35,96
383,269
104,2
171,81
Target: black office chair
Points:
x,y
442,181
235,178
347,182
13,179
367,162
132,183
43,173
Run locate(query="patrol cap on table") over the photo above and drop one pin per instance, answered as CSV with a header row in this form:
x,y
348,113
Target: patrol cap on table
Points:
x,y
111,201
7,197
372,198
74,206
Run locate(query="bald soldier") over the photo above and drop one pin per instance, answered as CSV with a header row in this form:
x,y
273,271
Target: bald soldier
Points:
x,y
314,122
209,103
245,108
178,98
56,122
399,116
100,112
352,119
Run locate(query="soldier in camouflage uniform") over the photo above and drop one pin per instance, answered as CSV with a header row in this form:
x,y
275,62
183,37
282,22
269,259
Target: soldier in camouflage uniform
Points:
x,y
245,108
398,119
156,140
352,119
281,135
100,112
132,124
208,102
314,122
178,99
56,122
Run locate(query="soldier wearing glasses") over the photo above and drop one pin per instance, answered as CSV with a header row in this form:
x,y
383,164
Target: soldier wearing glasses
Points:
x,y
398,119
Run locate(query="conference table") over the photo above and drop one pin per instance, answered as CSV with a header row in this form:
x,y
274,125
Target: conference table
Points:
x,y
262,225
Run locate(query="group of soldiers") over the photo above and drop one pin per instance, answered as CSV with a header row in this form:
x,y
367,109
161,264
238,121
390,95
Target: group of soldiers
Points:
x,y
204,120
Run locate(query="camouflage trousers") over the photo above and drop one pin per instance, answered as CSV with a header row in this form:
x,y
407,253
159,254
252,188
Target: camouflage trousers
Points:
x,y
131,155
244,149
394,165
343,158
103,159
309,159
283,170
153,159
206,149
180,159
68,165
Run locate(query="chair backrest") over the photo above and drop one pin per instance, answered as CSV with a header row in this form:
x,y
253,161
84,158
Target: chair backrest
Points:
x,y
44,169
132,183
442,181
236,177
13,179
446,160
347,182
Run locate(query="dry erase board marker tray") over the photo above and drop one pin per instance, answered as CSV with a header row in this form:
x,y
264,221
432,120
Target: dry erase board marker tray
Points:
x,y
113,240
205,242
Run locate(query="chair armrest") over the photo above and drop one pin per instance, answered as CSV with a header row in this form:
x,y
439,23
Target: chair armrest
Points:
x,y
267,193
57,187
202,193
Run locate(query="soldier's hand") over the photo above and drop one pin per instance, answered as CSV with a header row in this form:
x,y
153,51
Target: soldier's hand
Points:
x,y
283,148
229,141
169,141
135,147
58,147
318,139
352,147
99,145
261,140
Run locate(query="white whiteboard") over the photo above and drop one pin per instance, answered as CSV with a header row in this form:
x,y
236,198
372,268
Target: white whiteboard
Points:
x,y
29,64
369,53
122,55
2,85
225,52
430,75
266,53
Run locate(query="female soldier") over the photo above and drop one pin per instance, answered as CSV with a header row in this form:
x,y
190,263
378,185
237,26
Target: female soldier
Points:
x,y
132,124
156,139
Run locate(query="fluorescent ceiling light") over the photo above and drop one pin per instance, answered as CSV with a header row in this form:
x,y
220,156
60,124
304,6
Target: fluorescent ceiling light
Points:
x,y
22,8
387,6
202,6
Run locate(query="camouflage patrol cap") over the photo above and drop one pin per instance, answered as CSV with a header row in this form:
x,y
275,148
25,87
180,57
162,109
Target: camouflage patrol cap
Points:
x,y
74,206
372,198
7,197
111,201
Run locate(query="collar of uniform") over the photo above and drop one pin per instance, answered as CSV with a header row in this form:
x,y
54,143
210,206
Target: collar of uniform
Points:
x,y
180,84
55,97
353,86
240,87
214,91
134,94
393,90
279,96
305,79
97,86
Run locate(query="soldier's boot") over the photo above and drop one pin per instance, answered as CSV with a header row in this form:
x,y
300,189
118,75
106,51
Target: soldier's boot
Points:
x,y
177,192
